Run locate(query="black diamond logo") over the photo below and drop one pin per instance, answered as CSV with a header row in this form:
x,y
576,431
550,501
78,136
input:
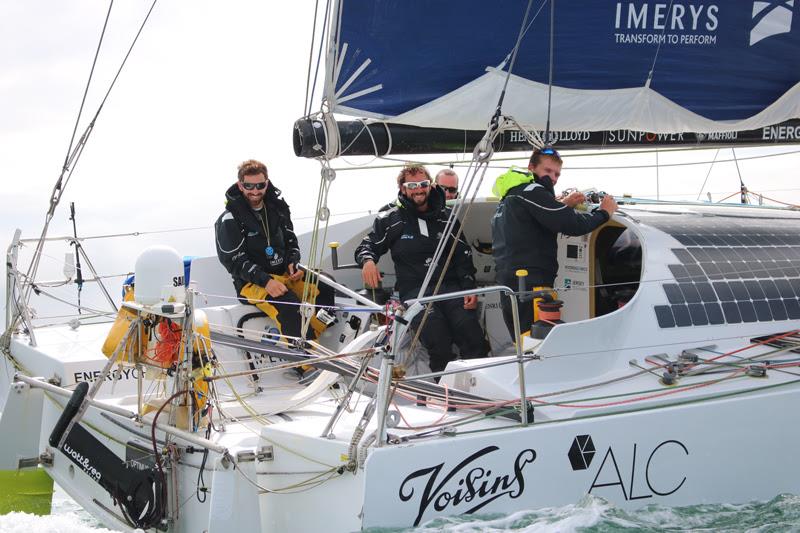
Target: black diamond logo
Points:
x,y
581,452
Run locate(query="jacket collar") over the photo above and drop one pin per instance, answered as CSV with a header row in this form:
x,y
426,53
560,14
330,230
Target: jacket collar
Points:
x,y
546,182
510,179
514,177
237,204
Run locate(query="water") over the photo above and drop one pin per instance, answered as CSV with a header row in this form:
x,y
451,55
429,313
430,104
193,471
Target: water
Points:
x,y
66,517
594,515
590,515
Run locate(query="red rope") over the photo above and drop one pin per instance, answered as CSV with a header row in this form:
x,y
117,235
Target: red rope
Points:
x,y
166,350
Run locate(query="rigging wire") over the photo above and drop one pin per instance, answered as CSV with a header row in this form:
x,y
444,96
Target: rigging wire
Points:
x,y
525,32
90,127
658,189
86,89
550,68
400,162
307,101
325,30
481,156
496,118
72,159
658,50
710,168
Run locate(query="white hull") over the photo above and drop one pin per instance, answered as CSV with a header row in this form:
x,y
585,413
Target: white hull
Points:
x,y
682,455
604,422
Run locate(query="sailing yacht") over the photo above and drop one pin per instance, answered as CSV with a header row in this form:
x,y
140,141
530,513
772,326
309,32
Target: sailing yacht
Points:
x,y
677,355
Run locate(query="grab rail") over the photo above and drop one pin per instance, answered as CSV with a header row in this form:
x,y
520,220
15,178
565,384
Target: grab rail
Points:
x,y
414,307
185,435
344,290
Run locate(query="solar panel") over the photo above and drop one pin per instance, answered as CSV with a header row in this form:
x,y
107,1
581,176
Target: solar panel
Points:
x,y
730,270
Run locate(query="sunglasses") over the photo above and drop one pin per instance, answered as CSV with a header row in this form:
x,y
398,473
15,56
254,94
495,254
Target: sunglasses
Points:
x,y
261,185
549,151
451,190
412,185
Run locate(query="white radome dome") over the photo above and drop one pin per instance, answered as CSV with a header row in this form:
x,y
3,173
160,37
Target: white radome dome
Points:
x,y
158,275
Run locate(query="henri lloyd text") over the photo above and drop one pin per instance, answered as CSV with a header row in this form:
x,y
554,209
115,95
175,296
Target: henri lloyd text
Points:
x,y
466,483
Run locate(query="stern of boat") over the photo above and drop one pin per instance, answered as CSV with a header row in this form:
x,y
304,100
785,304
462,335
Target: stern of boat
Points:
x,y
24,485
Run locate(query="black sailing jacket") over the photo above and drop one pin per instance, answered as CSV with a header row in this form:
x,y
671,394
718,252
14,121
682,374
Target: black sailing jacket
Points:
x,y
525,229
241,241
411,237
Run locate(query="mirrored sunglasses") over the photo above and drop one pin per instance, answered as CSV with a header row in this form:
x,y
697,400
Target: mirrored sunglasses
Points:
x,y
411,185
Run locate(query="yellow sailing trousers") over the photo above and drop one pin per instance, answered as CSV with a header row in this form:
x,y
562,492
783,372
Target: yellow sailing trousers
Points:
x,y
284,310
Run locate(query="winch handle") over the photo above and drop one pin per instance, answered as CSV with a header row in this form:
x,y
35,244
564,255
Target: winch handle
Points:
x,y
522,275
334,246
545,294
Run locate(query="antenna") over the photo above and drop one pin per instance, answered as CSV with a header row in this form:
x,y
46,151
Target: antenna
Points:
x,y
77,245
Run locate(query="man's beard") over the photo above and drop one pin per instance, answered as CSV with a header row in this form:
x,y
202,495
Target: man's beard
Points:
x,y
255,203
420,200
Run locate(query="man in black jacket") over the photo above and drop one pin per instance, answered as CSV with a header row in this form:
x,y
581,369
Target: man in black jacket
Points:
x,y
257,245
527,223
411,231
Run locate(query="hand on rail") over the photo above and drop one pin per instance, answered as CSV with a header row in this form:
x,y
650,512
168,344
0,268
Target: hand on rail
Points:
x,y
471,301
294,273
608,204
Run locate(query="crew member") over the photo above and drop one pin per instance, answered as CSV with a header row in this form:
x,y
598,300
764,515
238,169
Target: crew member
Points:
x,y
256,243
527,223
411,231
447,180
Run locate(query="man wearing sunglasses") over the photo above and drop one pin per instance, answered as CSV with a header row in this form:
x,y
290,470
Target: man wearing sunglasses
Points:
x,y
526,225
256,243
447,180
410,231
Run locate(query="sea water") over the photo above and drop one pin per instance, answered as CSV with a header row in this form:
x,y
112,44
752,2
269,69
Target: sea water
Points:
x,y
590,515
66,517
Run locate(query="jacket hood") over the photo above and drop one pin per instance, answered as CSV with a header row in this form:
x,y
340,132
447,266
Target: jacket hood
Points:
x,y
513,176
517,176
235,202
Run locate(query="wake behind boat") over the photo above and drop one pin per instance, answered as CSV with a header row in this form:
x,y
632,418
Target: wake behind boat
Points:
x,y
676,358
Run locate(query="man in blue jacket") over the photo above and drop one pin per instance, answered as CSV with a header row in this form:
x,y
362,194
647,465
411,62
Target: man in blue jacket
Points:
x,y
526,225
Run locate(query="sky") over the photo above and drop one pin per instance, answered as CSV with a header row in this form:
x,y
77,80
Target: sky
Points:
x,y
208,85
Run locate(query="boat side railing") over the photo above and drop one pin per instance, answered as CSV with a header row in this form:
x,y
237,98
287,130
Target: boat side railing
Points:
x,y
18,283
508,293
416,306
372,306
15,306
39,383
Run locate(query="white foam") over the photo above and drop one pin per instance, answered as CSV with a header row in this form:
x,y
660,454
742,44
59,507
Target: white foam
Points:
x,y
586,513
29,523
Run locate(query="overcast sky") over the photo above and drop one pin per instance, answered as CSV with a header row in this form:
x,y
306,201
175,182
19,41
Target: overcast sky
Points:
x,y
208,85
